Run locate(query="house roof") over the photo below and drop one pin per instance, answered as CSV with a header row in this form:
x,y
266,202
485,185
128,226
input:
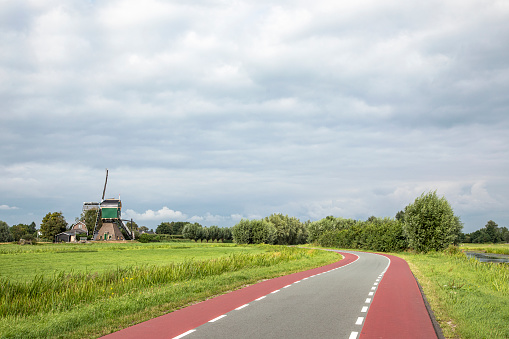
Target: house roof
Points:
x,y
72,232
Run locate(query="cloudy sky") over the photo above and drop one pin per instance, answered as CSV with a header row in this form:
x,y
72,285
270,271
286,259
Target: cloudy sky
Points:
x,y
213,111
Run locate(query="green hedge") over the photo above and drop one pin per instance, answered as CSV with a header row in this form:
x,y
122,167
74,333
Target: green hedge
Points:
x,y
382,235
145,237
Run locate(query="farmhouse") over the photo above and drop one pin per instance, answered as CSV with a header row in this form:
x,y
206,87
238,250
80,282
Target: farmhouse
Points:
x,y
70,236
77,230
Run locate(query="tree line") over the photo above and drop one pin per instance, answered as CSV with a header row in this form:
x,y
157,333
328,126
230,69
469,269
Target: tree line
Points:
x,y
427,224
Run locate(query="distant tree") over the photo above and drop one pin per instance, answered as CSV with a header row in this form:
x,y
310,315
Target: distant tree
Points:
x,y
134,225
400,216
143,229
164,228
504,233
430,223
192,231
178,226
52,224
492,232
204,234
242,232
18,231
372,219
89,217
5,234
32,228
214,233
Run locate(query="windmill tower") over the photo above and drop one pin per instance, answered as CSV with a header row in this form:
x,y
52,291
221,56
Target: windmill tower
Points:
x,y
109,213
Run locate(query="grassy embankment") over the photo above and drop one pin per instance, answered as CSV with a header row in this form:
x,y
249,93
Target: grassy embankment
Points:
x,y
470,299
78,291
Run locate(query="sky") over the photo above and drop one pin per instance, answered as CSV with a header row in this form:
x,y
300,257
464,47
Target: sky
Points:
x,y
214,111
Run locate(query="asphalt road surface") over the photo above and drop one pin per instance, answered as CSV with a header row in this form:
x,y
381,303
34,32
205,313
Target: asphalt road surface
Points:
x,y
332,304
363,296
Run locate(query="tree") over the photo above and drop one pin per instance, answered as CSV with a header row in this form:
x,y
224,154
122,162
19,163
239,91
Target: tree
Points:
x,y
493,232
5,234
164,228
52,224
89,217
192,231
32,229
430,223
18,231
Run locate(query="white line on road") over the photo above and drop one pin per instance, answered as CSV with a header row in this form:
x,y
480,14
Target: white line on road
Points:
x,y
241,307
364,309
216,319
371,294
359,321
261,298
368,300
353,335
184,334
274,292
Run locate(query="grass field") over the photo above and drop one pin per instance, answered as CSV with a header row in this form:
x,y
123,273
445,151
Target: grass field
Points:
x,y
24,263
487,248
470,299
126,283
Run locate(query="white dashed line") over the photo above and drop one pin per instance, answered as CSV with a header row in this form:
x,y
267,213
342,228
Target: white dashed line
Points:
x,y
364,309
287,286
260,298
368,300
359,321
373,288
241,307
184,334
216,319
353,335
274,292
371,294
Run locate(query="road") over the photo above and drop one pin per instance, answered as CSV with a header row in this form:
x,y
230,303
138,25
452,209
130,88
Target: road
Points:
x,y
363,296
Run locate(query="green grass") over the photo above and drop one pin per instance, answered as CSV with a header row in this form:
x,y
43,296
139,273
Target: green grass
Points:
x,y
79,304
470,299
487,248
24,263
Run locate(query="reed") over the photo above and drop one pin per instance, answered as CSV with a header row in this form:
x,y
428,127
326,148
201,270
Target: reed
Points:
x,y
67,290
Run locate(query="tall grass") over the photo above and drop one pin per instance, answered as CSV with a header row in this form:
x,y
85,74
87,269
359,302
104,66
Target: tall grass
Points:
x,y
469,298
64,291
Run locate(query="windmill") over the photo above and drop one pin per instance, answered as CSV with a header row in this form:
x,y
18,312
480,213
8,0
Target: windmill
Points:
x,y
108,222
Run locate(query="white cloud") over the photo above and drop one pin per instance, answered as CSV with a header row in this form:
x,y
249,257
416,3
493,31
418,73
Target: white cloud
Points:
x,y
164,214
7,207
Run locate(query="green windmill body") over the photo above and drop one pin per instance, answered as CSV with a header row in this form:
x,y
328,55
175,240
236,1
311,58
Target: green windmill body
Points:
x,y
110,216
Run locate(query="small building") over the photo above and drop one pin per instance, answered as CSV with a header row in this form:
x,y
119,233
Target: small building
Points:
x,y
70,236
80,225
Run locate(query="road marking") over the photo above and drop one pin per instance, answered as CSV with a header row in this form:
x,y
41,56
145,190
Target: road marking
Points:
x,y
274,292
241,307
297,282
368,300
364,309
216,319
371,293
261,298
287,286
373,288
353,335
359,321
375,284
377,280
184,334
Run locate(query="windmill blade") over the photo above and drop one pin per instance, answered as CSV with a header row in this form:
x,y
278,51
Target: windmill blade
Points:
x,y
105,182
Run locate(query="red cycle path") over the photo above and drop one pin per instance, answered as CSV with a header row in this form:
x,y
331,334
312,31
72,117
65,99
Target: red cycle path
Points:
x,y
175,323
397,310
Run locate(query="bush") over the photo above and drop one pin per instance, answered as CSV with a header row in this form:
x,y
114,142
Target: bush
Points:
x,y
380,235
430,223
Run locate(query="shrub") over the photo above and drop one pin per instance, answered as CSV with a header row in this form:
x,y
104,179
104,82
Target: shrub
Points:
x,y
430,223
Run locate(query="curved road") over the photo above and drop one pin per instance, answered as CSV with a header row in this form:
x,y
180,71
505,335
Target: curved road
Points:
x,y
365,295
